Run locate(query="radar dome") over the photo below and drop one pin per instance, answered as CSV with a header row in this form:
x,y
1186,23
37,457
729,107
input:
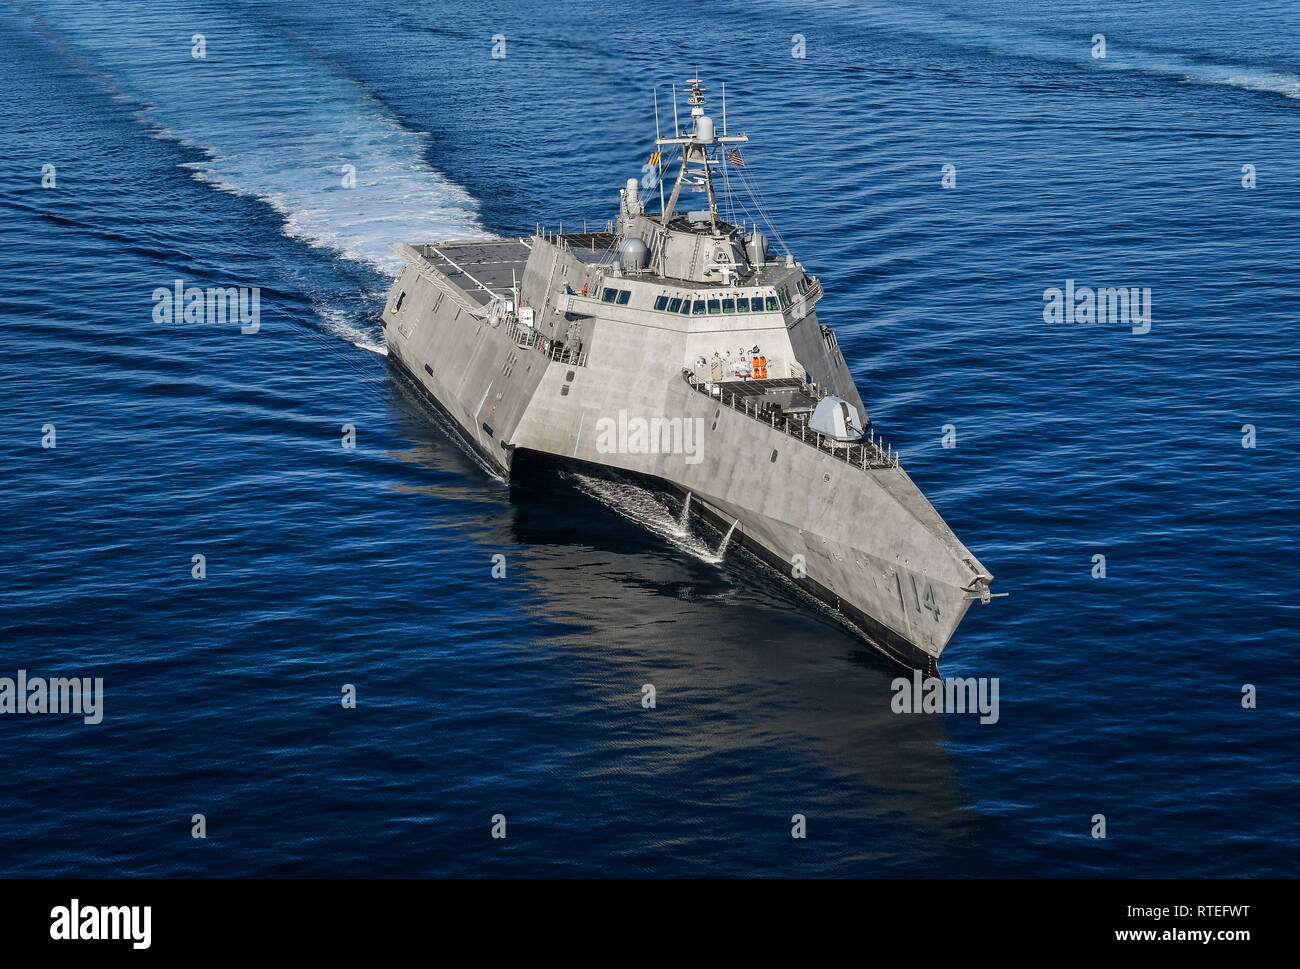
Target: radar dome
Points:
x,y
633,254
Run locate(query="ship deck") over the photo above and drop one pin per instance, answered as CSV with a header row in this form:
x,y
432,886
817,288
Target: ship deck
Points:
x,y
482,270
786,391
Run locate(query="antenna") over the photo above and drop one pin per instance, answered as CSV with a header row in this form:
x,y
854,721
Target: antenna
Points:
x,y
659,168
697,147
724,109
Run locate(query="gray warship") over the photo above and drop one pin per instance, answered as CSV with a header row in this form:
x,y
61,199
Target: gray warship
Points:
x,y
677,347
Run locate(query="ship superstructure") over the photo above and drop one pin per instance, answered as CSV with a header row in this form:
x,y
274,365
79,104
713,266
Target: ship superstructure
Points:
x,y
675,345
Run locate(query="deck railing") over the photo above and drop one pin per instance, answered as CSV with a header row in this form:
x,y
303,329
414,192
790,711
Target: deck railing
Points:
x,y
869,454
568,355
530,339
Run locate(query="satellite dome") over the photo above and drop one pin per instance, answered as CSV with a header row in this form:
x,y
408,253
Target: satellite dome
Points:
x,y
633,254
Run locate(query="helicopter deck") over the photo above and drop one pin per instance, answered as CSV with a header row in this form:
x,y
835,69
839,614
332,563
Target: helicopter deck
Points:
x,y
482,270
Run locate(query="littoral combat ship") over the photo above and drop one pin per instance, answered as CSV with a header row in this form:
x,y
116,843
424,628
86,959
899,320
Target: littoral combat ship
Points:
x,y
675,346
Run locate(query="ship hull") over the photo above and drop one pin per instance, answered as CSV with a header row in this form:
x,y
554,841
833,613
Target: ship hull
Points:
x,y
877,636
751,532
843,523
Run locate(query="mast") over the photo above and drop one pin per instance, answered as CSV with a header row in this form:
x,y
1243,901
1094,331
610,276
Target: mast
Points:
x,y
700,148
659,165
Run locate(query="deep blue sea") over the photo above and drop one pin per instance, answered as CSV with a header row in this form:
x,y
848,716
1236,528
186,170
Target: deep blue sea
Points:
x,y
521,696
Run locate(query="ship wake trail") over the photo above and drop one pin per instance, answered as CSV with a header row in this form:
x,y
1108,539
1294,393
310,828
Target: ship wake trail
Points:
x,y
345,322
275,122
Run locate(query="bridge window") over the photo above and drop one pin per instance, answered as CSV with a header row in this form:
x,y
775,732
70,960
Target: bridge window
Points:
x,y
608,295
715,306
675,305
785,297
686,306
728,306
802,285
623,296
742,305
697,308
661,302
772,306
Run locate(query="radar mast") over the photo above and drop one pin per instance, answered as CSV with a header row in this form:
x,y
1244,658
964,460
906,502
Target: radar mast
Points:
x,y
699,154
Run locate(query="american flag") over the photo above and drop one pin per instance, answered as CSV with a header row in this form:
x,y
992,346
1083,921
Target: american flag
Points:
x,y
733,156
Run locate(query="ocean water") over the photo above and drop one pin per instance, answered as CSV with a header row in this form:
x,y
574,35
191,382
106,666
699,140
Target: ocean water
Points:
x,y
520,696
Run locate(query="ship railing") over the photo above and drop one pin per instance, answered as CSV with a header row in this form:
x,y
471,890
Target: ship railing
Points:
x,y
528,338
568,355
523,336
869,454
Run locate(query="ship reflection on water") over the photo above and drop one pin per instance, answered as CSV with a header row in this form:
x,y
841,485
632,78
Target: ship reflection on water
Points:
x,y
747,679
